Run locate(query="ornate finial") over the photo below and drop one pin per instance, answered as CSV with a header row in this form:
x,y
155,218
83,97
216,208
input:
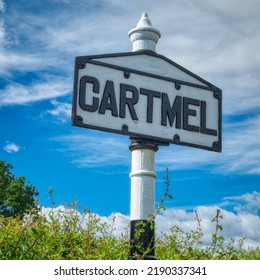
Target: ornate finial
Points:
x,y
144,21
144,36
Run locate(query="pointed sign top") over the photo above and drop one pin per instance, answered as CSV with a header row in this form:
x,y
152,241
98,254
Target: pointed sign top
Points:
x,y
144,36
144,21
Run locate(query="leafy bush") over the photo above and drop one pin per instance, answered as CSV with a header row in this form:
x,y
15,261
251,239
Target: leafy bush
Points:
x,y
74,233
60,235
180,245
68,235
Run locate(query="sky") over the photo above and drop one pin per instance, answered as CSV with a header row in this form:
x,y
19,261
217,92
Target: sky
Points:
x,y
217,40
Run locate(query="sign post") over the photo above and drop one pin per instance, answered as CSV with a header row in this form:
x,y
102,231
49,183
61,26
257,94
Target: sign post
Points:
x,y
143,37
155,102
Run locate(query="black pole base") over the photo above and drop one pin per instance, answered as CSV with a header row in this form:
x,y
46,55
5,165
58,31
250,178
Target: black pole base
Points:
x,y
142,240
146,257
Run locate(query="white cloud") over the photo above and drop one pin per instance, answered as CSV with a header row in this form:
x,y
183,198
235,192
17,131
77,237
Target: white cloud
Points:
x,y
93,149
2,6
117,222
2,28
242,148
235,226
223,39
12,148
248,203
243,224
23,94
62,110
2,34
239,8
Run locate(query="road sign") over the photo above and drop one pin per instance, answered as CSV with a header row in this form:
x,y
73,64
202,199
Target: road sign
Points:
x,y
143,94
154,101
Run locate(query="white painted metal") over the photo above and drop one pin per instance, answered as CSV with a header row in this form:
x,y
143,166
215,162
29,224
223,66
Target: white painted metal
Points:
x,y
142,184
144,36
153,65
143,175
155,129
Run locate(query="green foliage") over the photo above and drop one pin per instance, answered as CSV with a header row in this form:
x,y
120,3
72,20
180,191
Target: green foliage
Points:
x,y
16,197
74,233
65,234
61,235
180,245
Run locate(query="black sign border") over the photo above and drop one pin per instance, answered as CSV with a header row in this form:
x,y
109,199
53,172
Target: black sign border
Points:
x,y
80,63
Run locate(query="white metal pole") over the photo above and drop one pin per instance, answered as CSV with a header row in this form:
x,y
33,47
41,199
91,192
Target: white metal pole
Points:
x,y
142,199
143,179
143,37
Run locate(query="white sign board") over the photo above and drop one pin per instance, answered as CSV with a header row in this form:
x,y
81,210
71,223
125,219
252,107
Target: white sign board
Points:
x,y
112,93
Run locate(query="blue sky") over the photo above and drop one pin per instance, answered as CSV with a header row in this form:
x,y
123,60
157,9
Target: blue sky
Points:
x,y
217,40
